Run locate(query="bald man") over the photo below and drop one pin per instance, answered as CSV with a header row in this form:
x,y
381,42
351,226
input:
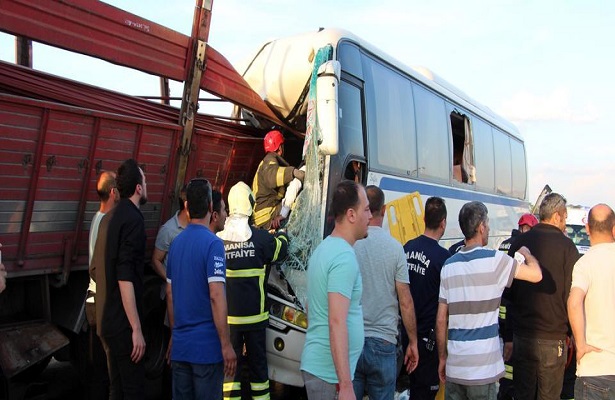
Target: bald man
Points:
x,y
591,298
96,369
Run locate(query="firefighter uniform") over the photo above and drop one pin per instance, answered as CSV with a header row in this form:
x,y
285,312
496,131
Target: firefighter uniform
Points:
x,y
506,390
247,269
269,187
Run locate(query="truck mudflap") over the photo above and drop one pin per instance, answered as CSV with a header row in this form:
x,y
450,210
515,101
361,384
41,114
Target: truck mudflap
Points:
x,y
26,345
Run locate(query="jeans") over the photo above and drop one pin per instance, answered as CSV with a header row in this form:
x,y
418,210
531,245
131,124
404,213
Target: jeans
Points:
x,y
455,391
376,370
595,388
127,379
197,381
317,389
539,368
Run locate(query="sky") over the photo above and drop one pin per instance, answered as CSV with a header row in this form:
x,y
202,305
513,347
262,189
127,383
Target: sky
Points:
x,y
544,65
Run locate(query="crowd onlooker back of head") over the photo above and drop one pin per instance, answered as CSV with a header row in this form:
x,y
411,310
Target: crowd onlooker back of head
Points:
x,y
590,309
471,363
540,319
201,353
425,258
385,281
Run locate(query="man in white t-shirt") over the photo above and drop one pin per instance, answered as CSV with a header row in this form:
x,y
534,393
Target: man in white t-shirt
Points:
x,y
590,308
96,368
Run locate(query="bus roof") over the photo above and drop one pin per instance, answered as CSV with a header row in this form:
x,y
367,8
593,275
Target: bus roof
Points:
x,y
312,41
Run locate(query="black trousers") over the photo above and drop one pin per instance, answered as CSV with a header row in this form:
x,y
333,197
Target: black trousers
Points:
x,y
256,356
96,365
127,379
424,380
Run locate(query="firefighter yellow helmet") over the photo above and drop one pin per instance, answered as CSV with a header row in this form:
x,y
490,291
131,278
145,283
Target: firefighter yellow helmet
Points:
x,y
240,199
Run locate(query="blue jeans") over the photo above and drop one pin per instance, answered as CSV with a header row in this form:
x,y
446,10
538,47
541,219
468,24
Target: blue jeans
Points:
x,y
197,381
539,368
454,391
595,388
376,370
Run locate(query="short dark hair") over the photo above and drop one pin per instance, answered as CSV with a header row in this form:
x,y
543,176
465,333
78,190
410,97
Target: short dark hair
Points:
x,y
345,196
375,196
216,200
471,215
198,195
601,226
181,199
106,182
128,177
435,212
551,204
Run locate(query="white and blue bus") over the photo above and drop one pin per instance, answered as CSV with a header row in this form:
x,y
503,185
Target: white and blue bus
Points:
x,y
403,129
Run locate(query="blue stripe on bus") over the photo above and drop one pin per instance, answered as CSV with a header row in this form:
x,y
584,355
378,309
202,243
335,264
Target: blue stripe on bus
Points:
x,y
400,185
465,335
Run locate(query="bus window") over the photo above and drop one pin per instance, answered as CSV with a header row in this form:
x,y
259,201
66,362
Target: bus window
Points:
x,y
503,171
519,174
390,118
485,165
463,149
350,119
432,136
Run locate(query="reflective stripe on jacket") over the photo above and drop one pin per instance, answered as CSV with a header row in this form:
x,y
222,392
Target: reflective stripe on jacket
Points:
x,y
247,269
269,187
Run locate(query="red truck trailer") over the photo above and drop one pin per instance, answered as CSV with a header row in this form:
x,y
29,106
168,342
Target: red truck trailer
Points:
x,y
57,135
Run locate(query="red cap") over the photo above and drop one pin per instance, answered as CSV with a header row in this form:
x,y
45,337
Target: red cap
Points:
x,y
528,219
273,140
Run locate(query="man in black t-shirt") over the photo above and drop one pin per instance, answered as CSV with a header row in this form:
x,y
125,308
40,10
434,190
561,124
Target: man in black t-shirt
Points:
x,y
540,319
425,258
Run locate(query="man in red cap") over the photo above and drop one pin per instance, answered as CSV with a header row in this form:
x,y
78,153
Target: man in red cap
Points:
x,y
269,185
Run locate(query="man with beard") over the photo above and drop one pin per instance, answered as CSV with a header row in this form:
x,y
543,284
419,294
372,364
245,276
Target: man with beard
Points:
x,y
122,298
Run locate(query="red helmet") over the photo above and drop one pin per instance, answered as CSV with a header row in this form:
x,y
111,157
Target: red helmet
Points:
x,y
273,140
528,219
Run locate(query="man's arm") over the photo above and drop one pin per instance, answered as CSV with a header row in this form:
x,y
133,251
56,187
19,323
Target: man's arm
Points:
x,y
2,278
441,328
529,270
576,315
171,316
408,317
157,262
129,302
338,337
220,313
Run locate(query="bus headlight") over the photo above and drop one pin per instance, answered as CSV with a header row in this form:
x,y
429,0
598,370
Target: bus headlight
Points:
x,y
289,314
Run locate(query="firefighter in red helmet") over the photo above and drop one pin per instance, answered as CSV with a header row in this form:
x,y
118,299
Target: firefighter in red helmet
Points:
x,y
269,185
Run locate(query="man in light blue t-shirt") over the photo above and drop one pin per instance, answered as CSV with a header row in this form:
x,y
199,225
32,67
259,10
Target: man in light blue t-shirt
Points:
x,y
334,291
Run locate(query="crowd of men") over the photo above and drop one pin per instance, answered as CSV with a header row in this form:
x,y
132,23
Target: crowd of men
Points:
x,y
361,283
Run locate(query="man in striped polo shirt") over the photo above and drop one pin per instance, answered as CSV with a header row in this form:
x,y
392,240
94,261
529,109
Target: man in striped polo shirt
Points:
x,y
471,286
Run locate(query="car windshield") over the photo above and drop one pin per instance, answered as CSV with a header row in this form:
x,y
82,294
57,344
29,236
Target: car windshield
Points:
x,y
578,234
